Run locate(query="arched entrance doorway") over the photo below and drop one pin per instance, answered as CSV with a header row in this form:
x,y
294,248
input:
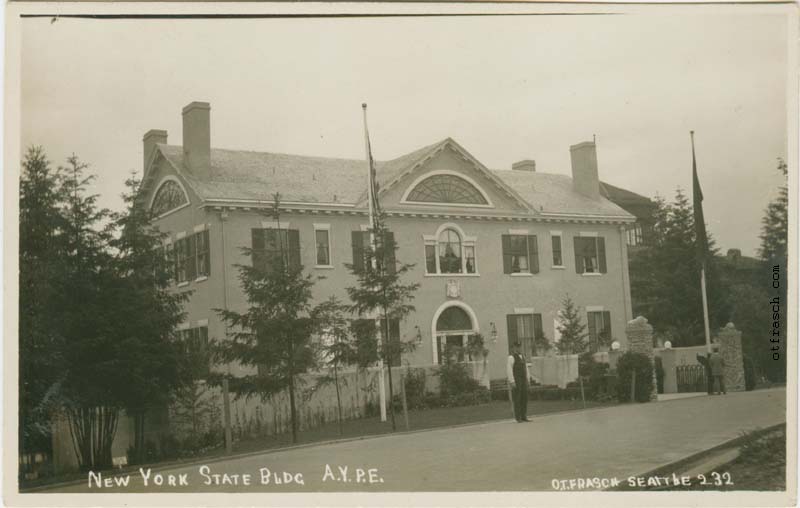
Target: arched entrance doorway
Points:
x,y
452,325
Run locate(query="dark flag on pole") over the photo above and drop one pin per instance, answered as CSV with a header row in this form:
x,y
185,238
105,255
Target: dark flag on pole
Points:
x,y
701,239
373,177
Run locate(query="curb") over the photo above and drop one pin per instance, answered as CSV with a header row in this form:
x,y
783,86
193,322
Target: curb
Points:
x,y
683,464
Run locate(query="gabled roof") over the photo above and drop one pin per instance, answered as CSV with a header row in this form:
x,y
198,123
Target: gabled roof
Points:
x,y
392,172
239,176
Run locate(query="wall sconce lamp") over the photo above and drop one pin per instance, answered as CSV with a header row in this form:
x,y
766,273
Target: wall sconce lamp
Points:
x,y
493,331
419,334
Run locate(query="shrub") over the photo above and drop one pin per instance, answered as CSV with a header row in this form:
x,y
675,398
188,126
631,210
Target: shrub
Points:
x,y
372,408
415,387
595,376
639,363
170,447
454,379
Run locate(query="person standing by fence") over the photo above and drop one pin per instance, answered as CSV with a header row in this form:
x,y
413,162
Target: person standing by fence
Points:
x,y
518,375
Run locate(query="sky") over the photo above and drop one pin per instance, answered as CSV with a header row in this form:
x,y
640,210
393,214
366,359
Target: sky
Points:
x,y
505,88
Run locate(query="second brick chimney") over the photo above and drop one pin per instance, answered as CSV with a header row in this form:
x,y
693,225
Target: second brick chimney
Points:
x,y
197,139
584,169
152,138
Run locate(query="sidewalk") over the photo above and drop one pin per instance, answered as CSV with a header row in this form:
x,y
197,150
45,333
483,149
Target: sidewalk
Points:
x,y
608,442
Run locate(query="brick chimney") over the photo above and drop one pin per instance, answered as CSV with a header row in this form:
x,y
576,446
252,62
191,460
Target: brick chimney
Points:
x,y
150,140
584,169
524,165
197,139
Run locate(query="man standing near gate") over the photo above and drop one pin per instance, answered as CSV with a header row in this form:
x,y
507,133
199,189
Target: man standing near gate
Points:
x,y
517,371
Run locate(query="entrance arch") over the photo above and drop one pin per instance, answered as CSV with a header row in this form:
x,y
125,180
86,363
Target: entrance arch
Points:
x,y
453,323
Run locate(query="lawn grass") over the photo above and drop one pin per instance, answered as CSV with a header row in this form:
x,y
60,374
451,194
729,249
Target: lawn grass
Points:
x,y
363,427
417,420
760,466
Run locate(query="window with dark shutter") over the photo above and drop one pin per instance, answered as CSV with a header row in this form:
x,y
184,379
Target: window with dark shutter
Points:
x,y
172,268
389,251
359,246
182,260
533,254
430,259
590,254
601,254
273,248
591,321
323,244
258,249
191,258
202,254
294,248
557,257
606,333
599,327
506,239
538,333
511,323
520,254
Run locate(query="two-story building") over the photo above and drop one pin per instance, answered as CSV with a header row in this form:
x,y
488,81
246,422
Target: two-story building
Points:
x,y
495,251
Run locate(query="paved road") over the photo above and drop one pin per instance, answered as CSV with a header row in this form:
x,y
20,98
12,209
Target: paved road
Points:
x,y
609,442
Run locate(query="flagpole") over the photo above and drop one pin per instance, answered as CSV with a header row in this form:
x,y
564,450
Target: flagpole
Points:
x,y
702,273
370,187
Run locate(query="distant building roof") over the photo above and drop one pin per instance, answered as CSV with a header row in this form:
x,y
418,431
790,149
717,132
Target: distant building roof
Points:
x,y
623,196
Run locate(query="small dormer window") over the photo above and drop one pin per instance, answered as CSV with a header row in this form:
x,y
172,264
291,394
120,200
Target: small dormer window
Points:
x,y
168,197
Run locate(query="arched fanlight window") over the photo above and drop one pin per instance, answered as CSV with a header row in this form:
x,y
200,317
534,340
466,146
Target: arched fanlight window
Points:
x,y
449,253
454,319
446,189
168,197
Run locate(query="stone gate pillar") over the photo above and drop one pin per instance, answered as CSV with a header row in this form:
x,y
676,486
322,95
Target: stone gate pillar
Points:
x,y
730,347
640,340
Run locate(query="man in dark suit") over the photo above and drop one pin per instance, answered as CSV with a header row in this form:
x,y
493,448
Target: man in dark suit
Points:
x,y
717,365
517,372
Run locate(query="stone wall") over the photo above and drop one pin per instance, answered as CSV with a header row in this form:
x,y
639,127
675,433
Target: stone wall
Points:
x,y
730,342
640,340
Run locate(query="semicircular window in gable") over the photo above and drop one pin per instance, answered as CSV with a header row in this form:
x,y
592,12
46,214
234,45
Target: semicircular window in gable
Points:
x,y
168,197
446,189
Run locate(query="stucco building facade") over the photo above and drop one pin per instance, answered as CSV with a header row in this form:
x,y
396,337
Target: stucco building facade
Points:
x,y
495,251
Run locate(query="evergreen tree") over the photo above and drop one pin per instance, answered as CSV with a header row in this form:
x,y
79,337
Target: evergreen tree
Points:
x,y
364,333
542,344
152,363
91,376
338,348
41,224
774,253
573,332
274,334
380,291
775,224
196,406
665,277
